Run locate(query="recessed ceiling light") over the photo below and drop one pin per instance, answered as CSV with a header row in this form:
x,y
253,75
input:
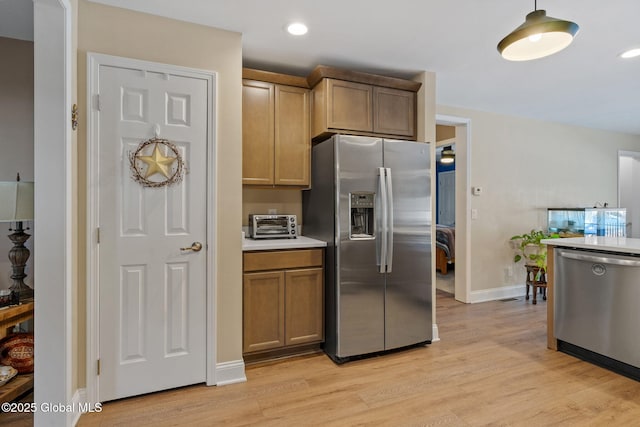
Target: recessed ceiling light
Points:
x,y
297,29
631,53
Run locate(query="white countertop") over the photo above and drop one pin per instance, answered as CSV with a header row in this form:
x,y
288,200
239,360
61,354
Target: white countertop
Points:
x,y
272,244
613,244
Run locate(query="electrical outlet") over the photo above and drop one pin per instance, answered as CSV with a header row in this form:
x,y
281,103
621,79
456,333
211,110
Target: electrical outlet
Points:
x,y
272,211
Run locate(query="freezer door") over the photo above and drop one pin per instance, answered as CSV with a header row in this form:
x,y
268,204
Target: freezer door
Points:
x,y
360,287
408,301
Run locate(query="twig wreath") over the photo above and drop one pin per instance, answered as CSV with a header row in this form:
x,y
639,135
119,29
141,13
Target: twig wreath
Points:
x,y
168,164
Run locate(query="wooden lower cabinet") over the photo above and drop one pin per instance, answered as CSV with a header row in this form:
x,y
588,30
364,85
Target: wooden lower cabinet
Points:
x,y
263,311
284,308
304,316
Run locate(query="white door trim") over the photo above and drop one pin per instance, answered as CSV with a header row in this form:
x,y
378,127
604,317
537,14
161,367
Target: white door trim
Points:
x,y
53,247
94,61
463,204
632,223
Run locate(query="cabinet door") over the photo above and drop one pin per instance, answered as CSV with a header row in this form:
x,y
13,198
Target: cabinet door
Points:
x,y
394,111
292,140
304,307
263,311
349,106
257,132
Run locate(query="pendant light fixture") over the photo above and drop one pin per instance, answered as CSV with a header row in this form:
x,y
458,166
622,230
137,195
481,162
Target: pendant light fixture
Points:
x,y
539,36
447,155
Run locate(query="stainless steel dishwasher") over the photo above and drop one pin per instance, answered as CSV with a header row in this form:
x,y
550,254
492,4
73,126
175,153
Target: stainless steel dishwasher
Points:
x,y
597,307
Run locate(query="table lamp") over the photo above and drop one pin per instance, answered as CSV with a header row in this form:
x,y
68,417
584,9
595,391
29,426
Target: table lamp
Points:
x,y
16,206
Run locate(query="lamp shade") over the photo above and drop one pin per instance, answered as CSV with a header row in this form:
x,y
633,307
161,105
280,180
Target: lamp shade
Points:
x,y
539,36
16,201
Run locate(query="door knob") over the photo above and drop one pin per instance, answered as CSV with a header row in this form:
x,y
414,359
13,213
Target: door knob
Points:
x,y
195,247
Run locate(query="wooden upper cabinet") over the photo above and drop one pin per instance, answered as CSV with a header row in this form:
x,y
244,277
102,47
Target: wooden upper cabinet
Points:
x,y
258,100
394,111
276,141
349,105
361,104
292,139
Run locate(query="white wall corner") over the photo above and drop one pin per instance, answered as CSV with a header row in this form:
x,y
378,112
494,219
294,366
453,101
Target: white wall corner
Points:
x,y
230,372
435,334
495,294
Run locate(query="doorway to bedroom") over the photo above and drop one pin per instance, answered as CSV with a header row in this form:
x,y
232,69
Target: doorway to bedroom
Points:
x,y
458,268
445,207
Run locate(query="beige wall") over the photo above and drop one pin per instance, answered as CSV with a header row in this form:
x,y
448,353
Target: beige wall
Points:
x,y
125,33
260,200
445,132
16,135
525,166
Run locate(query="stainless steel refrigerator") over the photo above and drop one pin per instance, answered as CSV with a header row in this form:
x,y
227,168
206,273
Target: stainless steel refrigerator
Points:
x,y
370,201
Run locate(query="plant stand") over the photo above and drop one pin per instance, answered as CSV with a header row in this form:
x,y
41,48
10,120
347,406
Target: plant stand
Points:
x,y
540,282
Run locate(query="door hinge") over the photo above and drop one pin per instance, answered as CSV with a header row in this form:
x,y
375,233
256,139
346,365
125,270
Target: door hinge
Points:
x,y
98,235
98,367
96,101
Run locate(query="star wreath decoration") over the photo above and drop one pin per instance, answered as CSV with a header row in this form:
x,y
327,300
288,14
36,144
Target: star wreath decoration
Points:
x,y
148,170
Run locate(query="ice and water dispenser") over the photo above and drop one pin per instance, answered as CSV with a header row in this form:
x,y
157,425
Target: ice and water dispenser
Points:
x,y
362,218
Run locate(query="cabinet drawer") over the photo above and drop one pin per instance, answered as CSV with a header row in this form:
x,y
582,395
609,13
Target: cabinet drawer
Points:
x,y
282,260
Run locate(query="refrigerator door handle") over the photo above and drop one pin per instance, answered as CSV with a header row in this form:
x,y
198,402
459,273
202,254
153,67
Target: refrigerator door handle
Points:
x,y
383,223
390,221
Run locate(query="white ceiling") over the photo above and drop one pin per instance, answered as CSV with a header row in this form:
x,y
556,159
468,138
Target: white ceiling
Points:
x,y
587,84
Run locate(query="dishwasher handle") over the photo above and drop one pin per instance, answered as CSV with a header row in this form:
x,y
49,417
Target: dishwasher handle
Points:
x,y
600,259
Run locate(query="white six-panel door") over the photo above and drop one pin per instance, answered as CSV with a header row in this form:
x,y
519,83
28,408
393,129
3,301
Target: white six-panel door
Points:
x,y
152,294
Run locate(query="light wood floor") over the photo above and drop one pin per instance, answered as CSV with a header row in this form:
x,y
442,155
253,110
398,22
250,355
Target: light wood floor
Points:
x,y
490,368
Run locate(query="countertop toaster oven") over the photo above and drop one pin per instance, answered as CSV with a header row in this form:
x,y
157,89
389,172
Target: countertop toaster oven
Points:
x,y
273,226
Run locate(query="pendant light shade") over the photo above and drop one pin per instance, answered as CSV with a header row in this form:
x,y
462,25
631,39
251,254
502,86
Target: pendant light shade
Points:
x,y
448,155
539,36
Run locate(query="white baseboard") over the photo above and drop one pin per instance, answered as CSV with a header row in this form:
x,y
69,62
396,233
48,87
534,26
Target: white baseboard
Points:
x,y
494,294
435,333
230,372
80,396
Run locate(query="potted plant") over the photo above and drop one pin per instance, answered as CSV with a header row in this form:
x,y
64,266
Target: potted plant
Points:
x,y
529,248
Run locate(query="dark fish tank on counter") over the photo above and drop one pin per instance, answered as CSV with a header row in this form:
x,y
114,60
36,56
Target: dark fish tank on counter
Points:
x,y
577,222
